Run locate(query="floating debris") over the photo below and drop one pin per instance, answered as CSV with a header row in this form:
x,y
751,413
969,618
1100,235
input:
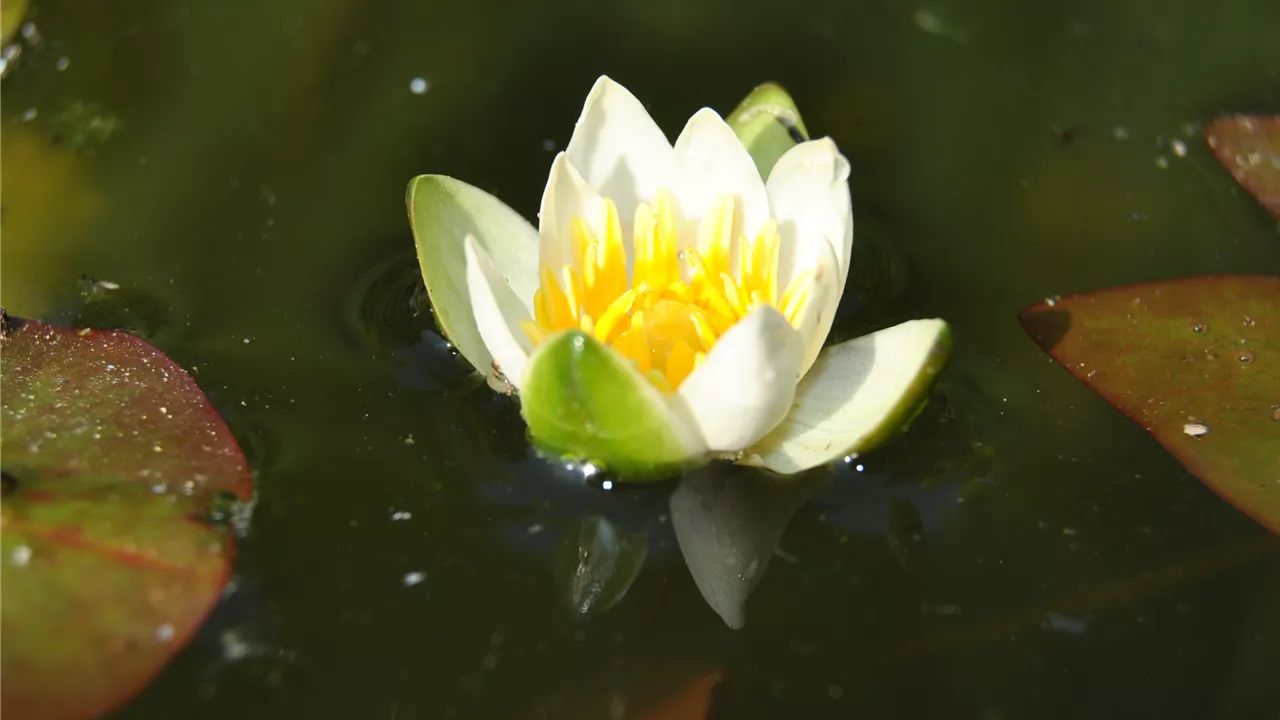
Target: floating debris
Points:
x,y
1195,429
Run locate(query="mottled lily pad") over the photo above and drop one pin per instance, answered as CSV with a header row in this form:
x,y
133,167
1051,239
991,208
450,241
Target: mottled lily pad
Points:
x,y
121,484
1249,147
1196,362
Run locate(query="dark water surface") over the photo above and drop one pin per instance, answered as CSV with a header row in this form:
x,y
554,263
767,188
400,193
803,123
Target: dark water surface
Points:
x,y
251,200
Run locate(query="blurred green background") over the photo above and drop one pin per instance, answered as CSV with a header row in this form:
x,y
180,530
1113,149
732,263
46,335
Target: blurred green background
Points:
x,y
239,168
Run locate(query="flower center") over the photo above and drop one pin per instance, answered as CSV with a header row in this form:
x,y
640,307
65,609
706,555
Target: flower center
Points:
x,y
663,322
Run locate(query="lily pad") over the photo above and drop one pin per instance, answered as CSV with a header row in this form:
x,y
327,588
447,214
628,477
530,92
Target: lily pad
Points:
x,y
1249,147
1196,362
121,485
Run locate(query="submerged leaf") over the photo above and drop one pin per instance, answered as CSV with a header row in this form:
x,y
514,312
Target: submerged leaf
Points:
x,y
1249,147
121,484
1196,362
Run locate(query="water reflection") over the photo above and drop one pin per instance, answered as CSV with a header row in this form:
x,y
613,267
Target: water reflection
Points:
x,y
728,521
596,564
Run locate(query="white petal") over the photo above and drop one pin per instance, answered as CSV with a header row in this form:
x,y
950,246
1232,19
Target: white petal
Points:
x,y
443,212
619,149
859,394
498,314
710,162
809,195
815,320
567,195
745,386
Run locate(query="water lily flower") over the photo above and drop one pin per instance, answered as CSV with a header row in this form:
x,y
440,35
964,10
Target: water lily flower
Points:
x,y
672,305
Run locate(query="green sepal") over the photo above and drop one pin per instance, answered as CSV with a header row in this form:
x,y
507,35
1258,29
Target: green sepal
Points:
x,y
585,401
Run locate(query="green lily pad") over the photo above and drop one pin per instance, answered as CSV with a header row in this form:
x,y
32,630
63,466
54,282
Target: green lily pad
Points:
x,y
583,400
1249,147
120,482
1196,362
12,13
768,124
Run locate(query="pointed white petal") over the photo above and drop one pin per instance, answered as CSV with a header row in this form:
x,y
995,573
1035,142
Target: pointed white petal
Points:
x,y
745,386
809,194
618,148
498,314
566,196
710,162
815,320
443,211
859,394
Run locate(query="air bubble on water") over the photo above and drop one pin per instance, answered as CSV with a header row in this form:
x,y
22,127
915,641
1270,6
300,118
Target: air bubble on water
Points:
x,y
1195,429
549,145
401,515
164,633
20,556
413,578
419,86
63,63
607,485
1178,147
8,55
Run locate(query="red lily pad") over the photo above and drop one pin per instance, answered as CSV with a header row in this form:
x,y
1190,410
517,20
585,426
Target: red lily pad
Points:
x,y
1196,362
118,476
1249,147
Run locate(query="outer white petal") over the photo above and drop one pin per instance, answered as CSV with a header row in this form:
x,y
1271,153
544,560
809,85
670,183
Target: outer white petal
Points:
x,y
859,394
815,321
746,385
809,193
618,148
498,314
710,162
567,195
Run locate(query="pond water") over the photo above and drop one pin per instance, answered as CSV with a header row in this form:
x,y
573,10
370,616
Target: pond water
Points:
x,y
239,169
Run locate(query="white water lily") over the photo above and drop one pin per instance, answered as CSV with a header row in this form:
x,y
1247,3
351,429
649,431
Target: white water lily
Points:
x,y
672,304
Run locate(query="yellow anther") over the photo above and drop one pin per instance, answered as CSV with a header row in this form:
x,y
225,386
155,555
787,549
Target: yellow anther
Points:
x,y
664,323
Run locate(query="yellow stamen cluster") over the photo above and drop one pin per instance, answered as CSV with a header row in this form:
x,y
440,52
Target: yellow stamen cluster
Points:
x,y
666,324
